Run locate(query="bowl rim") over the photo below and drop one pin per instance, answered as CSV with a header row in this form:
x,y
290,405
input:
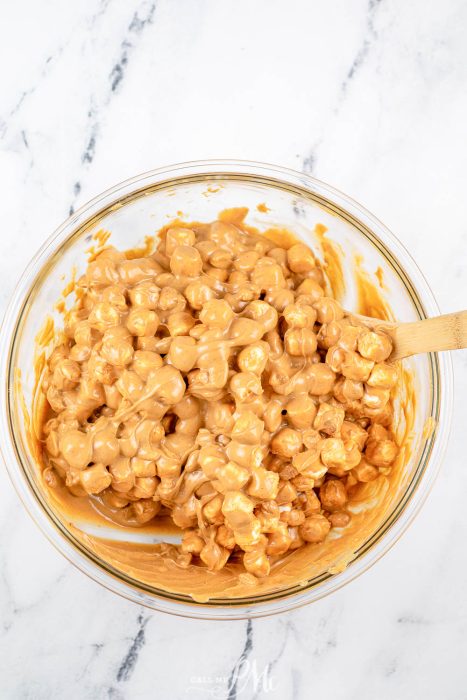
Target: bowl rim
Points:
x,y
83,561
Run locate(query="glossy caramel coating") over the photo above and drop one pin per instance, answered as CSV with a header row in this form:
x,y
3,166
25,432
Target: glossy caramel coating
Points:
x,y
215,380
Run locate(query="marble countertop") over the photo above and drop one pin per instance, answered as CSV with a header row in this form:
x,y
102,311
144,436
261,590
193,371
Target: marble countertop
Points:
x,y
369,95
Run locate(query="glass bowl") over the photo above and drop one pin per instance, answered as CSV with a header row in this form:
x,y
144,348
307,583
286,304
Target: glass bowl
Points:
x,y
198,191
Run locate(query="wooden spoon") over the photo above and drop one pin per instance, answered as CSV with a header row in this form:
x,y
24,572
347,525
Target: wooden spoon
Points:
x,y
447,332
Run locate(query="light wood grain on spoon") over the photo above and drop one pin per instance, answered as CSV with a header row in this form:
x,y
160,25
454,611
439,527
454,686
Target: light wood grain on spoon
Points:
x,y
448,332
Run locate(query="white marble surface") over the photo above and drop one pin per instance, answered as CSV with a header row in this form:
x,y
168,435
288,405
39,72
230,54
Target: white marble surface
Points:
x,y
367,95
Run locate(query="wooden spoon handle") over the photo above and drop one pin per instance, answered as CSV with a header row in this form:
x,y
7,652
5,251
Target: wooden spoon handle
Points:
x,y
447,332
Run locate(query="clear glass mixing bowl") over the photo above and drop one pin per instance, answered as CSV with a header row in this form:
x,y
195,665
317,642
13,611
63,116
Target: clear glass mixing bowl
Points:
x,y
139,207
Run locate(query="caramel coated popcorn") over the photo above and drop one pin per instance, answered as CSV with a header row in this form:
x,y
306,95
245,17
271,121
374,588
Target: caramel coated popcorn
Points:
x,y
215,381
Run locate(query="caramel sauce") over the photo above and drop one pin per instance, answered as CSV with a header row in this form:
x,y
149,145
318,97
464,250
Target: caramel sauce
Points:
x,y
282,237
333,262
146,249
370,300
234,215
155,564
